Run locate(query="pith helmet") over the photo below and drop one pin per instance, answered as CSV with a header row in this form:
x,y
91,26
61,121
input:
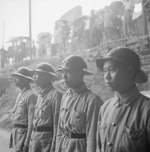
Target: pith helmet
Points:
x,y
74,63
46,68
126,56
24,72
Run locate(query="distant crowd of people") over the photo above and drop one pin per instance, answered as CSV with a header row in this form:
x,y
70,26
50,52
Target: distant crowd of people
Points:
x,y
66,116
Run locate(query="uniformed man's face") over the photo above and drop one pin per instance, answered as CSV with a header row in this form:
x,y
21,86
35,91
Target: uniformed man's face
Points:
x,y
41,79
117,76
73,78
20,82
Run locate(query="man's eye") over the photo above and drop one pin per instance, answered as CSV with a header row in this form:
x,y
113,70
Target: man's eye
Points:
x,y
35,76
104,71
109,70
112,70
15,79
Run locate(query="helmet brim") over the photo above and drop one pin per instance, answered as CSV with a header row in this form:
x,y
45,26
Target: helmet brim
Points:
x,y
64,69
50,73
22,76
141,76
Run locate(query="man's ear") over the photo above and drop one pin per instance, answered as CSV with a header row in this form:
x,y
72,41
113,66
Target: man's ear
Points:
x,y
132,72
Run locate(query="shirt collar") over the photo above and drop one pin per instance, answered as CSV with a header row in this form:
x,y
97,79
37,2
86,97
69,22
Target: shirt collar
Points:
x,y
25,89
82,88
128,99
45,91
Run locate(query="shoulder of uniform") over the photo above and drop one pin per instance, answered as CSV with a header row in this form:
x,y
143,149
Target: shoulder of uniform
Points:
x,y
54,93
29,91
144,107
108,101
93,98
57,93
31,97
67,92
145,102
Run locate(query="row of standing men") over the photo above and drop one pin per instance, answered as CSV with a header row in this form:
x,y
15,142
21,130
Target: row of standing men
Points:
x,y
45,120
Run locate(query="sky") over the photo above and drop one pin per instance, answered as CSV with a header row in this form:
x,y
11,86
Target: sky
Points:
x,y
14,15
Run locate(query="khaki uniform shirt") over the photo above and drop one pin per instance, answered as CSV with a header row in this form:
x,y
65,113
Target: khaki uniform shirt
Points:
x,y
46,108
78,115
47,114
20,111
20,117
124,126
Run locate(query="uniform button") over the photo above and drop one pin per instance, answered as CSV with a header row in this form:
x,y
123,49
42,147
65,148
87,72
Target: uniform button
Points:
x,y
118,104
109,144
99,123
113,124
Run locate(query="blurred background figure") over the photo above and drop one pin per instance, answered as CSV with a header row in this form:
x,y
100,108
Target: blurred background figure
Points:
x,y
3,57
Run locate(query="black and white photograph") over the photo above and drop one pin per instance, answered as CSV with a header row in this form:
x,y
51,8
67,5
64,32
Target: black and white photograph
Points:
x,y
74,75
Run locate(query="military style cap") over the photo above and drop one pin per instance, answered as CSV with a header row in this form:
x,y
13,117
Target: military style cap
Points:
x,y
46,68
24,72
74,63
126,56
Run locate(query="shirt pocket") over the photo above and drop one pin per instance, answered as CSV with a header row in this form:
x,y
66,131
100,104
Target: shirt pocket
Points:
x,y
20,107
46,139
21,131
135,134
63,113
133,139
78,119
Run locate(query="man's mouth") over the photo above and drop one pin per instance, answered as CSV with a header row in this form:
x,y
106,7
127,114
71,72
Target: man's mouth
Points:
x,y
108,83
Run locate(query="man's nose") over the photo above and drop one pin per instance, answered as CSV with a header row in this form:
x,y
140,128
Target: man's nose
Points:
x,y
107,75
35,76
65,76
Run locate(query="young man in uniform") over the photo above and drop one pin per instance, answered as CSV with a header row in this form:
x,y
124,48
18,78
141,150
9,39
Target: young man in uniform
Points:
x,y
46,110
79,110
124,120
22,114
